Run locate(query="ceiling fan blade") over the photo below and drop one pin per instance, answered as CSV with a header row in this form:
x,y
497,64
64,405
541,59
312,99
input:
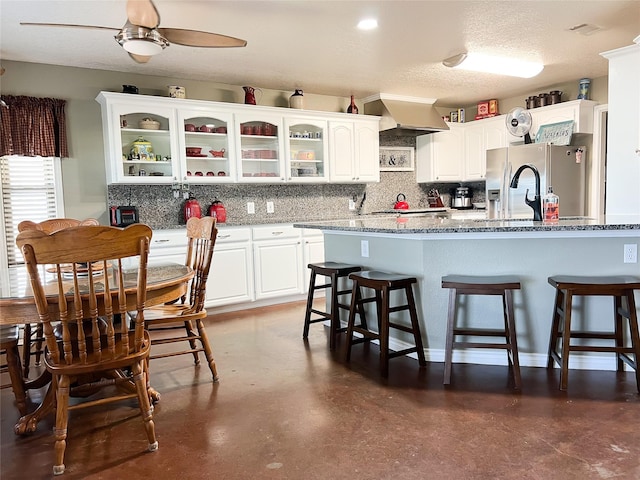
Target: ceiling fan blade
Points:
x,y
196,38
143,13
71,25
140,58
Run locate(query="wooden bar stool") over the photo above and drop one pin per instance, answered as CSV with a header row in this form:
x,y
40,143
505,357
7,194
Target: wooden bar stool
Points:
x,y
621,289
335,271
502,285
383,284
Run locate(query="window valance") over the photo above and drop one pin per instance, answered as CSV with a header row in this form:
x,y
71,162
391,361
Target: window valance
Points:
x,y
33,126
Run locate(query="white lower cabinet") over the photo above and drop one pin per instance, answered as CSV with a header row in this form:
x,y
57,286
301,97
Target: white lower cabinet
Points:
x,y
277,253
312,251
231,274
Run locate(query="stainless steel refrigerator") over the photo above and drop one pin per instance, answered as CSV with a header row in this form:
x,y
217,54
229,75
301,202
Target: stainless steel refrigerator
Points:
x,y
562,167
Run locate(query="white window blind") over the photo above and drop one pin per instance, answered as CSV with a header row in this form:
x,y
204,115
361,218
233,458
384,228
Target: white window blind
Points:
x,y
31,189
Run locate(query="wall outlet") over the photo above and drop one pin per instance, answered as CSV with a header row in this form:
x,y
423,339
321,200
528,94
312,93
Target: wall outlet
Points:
x,y
352,204
630,253
270,208
364,248
251,208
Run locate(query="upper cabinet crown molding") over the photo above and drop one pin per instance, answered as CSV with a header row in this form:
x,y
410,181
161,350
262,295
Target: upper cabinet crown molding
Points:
x,y
284,145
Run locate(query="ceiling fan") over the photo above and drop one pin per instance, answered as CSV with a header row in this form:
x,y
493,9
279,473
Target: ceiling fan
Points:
x,y
142,37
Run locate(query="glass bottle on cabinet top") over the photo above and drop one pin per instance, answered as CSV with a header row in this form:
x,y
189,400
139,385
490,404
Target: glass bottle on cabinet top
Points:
x,y
260,149
207,151
306,150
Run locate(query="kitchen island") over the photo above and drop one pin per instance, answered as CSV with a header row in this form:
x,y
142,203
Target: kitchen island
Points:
x,y
429,248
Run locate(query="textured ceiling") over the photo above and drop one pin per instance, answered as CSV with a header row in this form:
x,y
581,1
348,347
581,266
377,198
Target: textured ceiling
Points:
x,y
314,45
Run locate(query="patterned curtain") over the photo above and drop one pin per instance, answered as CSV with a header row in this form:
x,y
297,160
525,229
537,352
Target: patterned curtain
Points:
x,y
33,126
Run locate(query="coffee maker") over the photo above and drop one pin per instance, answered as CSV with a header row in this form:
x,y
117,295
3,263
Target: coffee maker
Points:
x,y
461,198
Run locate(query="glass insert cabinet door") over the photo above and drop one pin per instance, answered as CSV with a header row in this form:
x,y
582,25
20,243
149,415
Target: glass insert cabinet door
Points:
x,y
260,148
207,148
307,152
146,143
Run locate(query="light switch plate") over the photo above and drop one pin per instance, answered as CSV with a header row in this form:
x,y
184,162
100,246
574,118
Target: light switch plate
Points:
x,y
270,208
251,208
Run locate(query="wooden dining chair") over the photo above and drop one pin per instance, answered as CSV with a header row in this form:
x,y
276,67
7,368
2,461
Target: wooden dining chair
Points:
x,y
87,346
32,333
174,323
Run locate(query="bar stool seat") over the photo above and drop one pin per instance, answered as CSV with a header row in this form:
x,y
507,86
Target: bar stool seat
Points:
x,y
335,271
502,285
621,288
383,284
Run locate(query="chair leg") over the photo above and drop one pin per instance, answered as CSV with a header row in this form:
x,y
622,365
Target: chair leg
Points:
x,y
26,349
188,326
448,349
334,312
146,411
617,315
204,340
60,432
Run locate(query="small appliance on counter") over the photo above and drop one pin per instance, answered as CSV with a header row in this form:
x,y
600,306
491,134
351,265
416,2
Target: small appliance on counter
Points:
x,y
124,215
461,198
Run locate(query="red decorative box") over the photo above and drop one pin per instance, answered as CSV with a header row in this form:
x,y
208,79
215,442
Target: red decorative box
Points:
x,y
483,108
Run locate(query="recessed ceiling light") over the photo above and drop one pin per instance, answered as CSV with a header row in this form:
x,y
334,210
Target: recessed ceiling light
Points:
x,y
478,62
368,24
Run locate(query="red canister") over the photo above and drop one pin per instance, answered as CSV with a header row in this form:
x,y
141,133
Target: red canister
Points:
x,y
192,208
217,210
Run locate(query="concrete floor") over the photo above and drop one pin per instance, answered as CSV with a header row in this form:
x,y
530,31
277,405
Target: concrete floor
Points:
x,y
290,409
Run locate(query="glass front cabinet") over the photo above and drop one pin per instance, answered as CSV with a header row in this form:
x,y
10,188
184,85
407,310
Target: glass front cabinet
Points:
x,y
260,148
141,143
208,146
306,150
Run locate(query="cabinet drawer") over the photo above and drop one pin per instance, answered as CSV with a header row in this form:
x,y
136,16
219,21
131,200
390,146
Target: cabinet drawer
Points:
x,y
275,232
229,235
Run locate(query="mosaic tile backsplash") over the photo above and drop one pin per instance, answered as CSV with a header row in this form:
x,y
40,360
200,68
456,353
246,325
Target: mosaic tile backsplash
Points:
x,y
292,203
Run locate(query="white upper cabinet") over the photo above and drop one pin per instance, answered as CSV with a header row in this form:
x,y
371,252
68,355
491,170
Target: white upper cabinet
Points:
x,y
440,155
354,150
580,111
195,141
306,150
260,147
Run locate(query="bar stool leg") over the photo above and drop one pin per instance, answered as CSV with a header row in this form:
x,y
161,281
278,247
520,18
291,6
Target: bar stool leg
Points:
x,y
335,313
566,340
448,350
383,330
635,335
617,315
415,326
555,328
355,299
307,317
512,352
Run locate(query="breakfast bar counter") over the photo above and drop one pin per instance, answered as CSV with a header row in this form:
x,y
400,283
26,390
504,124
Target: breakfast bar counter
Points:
x,y
429,248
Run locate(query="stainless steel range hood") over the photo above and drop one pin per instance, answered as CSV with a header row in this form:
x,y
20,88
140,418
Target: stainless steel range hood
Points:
x,y
405,115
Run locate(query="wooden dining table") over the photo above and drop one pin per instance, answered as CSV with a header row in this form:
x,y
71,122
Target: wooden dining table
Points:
x,y
165,282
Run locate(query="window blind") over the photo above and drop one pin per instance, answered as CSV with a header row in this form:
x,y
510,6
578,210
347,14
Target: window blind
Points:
x,y
31,189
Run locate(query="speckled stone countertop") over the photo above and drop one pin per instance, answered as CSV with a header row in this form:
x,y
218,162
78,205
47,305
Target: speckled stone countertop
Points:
x,y
403,225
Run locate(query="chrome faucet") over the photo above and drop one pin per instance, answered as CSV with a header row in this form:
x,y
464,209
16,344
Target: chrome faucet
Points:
x,y
535,204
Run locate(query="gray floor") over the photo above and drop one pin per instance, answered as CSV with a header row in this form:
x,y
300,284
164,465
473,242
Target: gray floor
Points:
x,y
290,409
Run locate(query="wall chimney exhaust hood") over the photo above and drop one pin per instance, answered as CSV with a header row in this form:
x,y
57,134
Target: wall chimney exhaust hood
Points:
x,y
410,116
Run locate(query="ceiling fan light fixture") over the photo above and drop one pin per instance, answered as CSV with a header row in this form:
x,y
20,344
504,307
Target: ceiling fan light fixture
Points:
x,y
141,41
478,62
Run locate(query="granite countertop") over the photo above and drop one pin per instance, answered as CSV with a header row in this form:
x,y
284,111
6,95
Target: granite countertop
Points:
x,y
420,225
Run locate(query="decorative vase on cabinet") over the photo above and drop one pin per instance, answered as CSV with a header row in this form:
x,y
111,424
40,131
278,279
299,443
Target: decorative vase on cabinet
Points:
x,y
297,100
352,108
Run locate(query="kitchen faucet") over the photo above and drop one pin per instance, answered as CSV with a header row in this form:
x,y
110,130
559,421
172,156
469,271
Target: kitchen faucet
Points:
x,y
536,204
